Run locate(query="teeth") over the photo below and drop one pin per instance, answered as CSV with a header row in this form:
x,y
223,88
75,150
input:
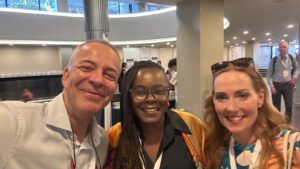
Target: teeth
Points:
x,y
151,109
235,118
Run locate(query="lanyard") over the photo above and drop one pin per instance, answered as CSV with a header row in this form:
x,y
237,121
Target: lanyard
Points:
x,y
252,160
285,65
73,166
157,162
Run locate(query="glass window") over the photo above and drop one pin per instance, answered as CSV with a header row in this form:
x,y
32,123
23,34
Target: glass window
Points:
x,y
124,8
135,8
113,7
275,51
48,5
76,6
151,7
2,3
23,4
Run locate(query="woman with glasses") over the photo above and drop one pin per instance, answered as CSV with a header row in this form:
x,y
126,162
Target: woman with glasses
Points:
x,y
245,130
150,136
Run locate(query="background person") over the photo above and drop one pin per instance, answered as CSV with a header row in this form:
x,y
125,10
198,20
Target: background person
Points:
x,y
27,95
172,76
150,134
63,133
282,76
123,71
244,129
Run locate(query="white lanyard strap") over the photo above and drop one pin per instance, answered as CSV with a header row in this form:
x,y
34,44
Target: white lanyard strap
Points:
x,y
252,160
157,162
285,65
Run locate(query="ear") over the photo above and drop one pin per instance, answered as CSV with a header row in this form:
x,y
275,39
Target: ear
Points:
x,y
65,77
261,98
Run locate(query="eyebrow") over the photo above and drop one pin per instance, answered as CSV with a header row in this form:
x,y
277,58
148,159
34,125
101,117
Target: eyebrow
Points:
x,y
94,64
87,61
242,90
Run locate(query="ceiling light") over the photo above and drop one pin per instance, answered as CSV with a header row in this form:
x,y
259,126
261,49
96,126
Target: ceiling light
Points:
x,y
253,38
234,37
282,40
172,46
245,32
228,41
236,44
168,43
270,42
269,39
290,26
127,46
244,42
231,46
152,45
268,34
11,44
44,45
285,35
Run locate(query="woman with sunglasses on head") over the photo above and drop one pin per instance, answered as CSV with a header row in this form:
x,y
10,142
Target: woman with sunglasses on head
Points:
x,y
245,130
150,136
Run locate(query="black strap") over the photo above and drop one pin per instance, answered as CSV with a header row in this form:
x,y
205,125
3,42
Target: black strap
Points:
x,y
292,60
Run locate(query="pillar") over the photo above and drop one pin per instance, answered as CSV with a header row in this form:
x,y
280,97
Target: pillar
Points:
x,y
249,49
62,6
200,43
142,7
96,19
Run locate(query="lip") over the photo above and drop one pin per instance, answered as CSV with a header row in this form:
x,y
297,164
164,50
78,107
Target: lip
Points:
x,y
234,120
152,110
92,93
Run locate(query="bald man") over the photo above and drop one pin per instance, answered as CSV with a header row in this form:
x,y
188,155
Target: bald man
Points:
x,y
63,133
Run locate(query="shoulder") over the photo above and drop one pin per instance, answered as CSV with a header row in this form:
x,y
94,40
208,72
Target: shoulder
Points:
x,y
289,137
12,121
189,118
114,135
194,124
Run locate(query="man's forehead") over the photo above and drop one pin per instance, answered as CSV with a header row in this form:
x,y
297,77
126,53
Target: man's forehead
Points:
x,y
95,48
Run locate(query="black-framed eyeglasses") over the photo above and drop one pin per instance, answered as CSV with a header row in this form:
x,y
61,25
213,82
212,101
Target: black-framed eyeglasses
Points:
x,y
243,62
140,93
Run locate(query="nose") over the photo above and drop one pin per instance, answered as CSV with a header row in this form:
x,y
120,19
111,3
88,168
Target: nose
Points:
x,y
232,106
149,96
96,77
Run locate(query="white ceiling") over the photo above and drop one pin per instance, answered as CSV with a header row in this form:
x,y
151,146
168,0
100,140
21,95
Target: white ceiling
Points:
x,y
257,17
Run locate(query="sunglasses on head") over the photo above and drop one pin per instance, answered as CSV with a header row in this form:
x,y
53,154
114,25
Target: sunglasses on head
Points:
x,y
242,62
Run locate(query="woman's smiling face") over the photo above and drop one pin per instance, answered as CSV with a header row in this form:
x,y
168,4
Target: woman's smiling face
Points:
x,y
151,110
236,102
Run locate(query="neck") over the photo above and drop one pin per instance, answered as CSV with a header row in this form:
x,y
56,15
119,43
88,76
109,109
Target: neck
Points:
x,y
80,128
283,55
79,124
245,138
153,133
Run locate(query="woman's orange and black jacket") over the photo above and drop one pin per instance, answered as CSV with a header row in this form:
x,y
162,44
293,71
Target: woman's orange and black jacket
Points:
x,y
194,140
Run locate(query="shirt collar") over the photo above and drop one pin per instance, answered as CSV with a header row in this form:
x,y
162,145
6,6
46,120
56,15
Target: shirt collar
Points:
x,y
57,115
177,122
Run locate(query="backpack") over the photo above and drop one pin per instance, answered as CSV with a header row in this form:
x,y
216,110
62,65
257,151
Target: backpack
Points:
x,y
293,63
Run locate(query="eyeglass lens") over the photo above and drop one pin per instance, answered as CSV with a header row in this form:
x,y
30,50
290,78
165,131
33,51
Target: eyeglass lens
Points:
x,y
158,93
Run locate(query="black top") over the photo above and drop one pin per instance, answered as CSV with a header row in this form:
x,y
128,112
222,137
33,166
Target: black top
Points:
x,y
176,154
